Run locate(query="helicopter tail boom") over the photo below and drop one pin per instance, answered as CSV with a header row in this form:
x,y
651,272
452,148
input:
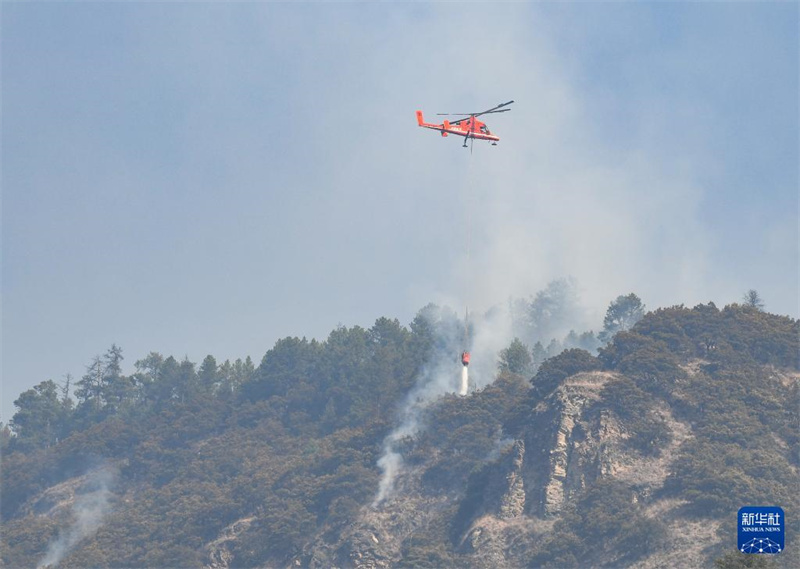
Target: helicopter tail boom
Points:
x,y
421,122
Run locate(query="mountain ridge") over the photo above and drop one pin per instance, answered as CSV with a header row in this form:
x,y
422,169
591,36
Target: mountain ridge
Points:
x,y
605,461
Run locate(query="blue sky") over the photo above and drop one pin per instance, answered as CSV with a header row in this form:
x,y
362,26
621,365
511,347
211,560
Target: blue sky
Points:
x,y
207,178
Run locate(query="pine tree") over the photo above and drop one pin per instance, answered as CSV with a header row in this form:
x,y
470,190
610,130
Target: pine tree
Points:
x,y
208,375
539,354
117,390
148,372
40,419
753,299
621,315
89,389
516,358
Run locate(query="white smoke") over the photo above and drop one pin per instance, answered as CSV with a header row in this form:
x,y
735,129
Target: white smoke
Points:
x,y
88,511
433,383
489,334
441,376
438,377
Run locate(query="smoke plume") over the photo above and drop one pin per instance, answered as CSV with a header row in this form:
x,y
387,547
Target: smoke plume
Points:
x,y
489,334
437,378
88,511
549,313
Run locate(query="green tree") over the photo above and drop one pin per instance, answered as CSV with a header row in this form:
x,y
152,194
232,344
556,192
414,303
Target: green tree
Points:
x,y
148,371
42,418
231,376
539,354
621,315
103,390
423,330
160,379
552,311
392,365
516,358
227,385
185,385
289,362
117,391
388,333
5,439
753,299
244,370
554,348
208,374
90,388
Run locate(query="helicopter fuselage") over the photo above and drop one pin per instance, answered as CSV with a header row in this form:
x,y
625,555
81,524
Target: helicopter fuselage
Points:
x,y
468,128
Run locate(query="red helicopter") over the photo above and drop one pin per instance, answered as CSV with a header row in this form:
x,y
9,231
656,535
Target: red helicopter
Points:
x,y
468,127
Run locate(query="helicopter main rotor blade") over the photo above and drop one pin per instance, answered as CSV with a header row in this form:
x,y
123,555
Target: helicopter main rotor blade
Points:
x,y
501,105
468,116
494,109
479,114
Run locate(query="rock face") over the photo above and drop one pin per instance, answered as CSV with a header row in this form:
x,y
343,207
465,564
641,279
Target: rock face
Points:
x,y
573,449
219,554
512,503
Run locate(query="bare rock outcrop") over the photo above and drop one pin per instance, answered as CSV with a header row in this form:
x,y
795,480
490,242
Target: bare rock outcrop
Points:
x,y
512,502
577,449
219,554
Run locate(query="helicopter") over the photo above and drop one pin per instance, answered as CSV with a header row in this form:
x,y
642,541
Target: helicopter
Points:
x,y
469,127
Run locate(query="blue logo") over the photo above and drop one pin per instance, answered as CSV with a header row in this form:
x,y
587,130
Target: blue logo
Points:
x,y
761,529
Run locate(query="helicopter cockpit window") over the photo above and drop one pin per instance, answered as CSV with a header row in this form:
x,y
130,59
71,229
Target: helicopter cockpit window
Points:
x,y
484,130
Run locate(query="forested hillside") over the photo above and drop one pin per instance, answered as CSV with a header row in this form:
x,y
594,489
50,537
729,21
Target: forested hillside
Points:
x,y
635,452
